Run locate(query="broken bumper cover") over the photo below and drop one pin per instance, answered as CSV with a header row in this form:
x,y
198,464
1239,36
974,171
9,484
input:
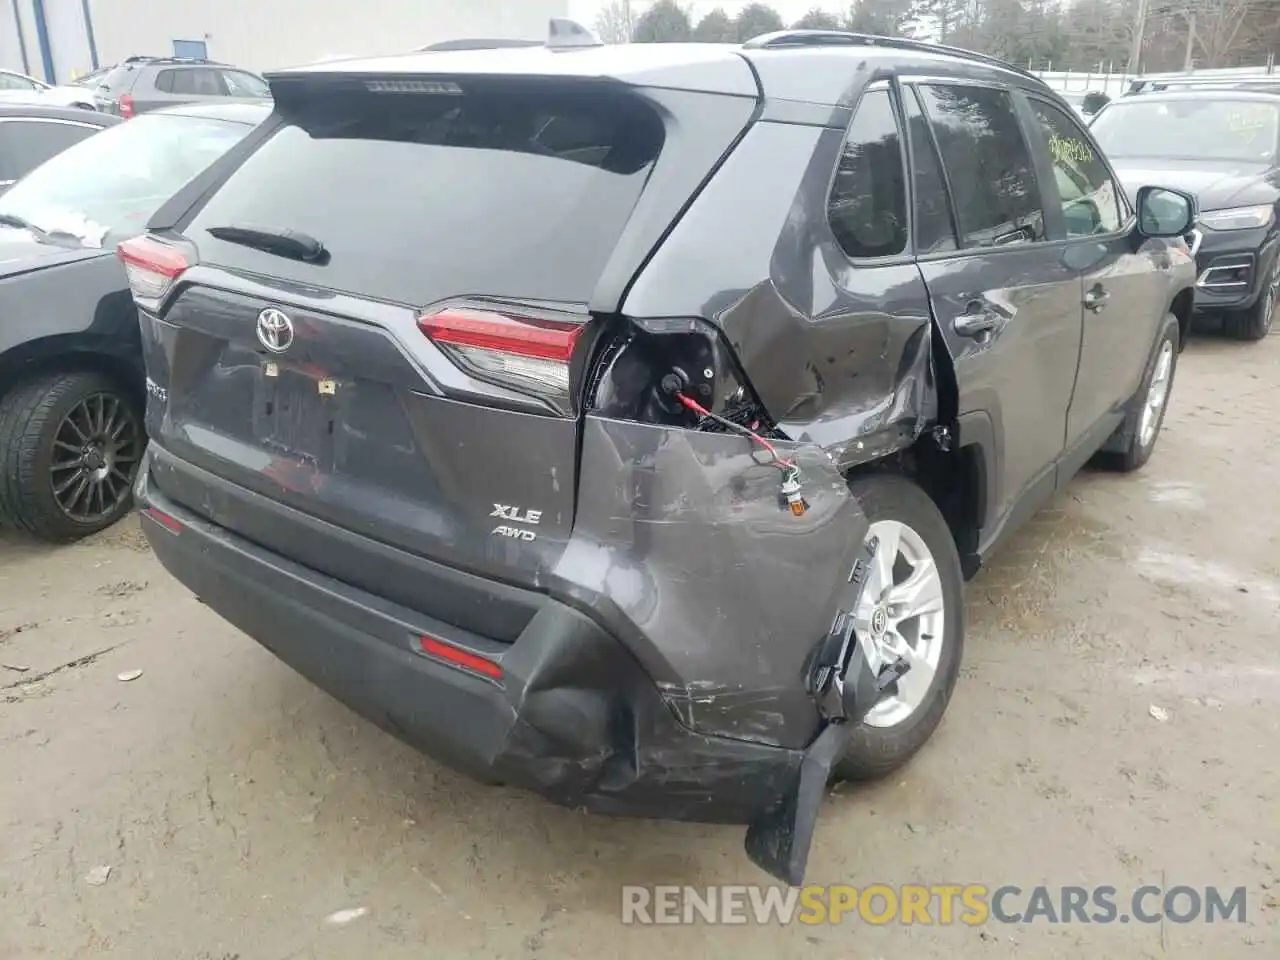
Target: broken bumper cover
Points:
x,y
573,716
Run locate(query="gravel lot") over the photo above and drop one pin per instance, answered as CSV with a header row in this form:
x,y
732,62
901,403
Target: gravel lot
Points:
x,y
238,807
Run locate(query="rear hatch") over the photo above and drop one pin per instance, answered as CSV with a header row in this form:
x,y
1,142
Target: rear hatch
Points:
x,y
379,324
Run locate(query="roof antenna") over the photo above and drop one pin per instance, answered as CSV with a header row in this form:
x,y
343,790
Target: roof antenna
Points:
x,y
565,34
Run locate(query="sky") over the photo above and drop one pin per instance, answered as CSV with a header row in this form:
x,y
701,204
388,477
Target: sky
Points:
x,y
585,11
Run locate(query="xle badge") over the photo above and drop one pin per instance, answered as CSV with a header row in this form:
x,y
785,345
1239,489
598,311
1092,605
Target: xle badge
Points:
x,y
515,514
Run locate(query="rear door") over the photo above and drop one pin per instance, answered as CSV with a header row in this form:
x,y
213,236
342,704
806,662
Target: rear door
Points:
x,y
1124,285
417,381
1007,302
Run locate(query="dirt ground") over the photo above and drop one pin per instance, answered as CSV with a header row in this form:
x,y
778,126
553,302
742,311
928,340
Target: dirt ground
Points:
x,y
239,808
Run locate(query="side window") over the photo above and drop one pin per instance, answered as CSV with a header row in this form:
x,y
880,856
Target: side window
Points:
x,y
207,83
868,206
1090,200
181,81
9,81
934,230
164,81
25,144
993,182
198,82
241,84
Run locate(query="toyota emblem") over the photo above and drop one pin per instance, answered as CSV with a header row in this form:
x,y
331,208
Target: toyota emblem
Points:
x,y
275,330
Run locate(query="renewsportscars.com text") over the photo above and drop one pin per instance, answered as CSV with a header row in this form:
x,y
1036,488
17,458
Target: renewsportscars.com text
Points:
x,y
931,904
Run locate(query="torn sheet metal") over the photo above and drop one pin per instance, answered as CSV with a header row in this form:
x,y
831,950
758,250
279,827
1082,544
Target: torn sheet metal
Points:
x,y
725,592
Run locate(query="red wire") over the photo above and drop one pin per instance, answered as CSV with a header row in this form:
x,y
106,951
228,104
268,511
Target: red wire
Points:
x,y
702,411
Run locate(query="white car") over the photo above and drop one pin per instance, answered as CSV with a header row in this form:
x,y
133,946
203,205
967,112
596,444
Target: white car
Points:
x,y
19,88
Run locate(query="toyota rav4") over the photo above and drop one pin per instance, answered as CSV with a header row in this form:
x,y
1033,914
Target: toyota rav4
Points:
x,y
622,422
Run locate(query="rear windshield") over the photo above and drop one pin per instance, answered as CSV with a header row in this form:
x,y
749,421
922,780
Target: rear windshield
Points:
x,y
1197,128
484,190
107,186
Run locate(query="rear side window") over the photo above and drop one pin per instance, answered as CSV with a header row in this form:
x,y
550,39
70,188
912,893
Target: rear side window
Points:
x,y
241,84
868,203
164,81
988,163
935,232
25,144
498,189
119,80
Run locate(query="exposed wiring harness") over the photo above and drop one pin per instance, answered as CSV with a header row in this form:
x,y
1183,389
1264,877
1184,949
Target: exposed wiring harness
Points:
x,y
791,493
782,463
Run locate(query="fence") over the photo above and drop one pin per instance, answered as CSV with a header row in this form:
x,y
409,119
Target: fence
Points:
x,y
1114,84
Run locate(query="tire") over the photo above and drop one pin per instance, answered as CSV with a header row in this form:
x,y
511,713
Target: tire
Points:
x,y
1255,323
1129,448
34,449
888,738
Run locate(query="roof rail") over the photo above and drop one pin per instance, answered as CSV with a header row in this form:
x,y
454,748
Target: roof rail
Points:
x,y
479,43
147,59
835,38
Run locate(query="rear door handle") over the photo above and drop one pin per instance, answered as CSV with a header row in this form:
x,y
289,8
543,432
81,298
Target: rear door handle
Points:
x,y
975,321
1096,299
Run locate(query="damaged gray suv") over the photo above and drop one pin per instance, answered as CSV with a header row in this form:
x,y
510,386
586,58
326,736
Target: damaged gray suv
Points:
x,y
621,423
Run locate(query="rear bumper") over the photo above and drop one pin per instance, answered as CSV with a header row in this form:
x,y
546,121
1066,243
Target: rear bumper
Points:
x,y
573,717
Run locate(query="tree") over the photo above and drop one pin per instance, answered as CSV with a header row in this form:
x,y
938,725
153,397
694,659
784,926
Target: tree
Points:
x,y
1213,29
616,22
881,18
716,27
755,19
817,19
942,20
1100,33
664,22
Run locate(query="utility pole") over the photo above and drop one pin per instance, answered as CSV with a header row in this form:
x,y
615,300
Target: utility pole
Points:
x,y
1191,41
1135,53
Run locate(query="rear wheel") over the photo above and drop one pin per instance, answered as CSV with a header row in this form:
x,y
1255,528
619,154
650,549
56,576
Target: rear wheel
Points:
x,y
70,447
912,607
1255,323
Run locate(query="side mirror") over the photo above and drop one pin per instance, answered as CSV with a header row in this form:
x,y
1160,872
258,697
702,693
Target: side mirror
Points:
x,y
1165,213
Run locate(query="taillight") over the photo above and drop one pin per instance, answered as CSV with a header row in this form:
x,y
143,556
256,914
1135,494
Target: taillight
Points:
x,y
529,354
125,104
153,268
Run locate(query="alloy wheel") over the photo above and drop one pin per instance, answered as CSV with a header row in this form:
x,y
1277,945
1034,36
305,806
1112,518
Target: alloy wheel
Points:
x,y
902,614
1271,295
1157,394
96,451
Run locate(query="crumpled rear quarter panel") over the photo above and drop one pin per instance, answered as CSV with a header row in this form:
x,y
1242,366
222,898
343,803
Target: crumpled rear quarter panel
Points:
x,y
682,539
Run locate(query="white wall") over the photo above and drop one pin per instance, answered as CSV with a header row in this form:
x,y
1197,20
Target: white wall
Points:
x,y
261,34
10,50
68,40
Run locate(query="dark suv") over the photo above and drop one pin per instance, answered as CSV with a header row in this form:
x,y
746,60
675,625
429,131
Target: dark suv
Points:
x,y
1223,146
624,426
140,84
